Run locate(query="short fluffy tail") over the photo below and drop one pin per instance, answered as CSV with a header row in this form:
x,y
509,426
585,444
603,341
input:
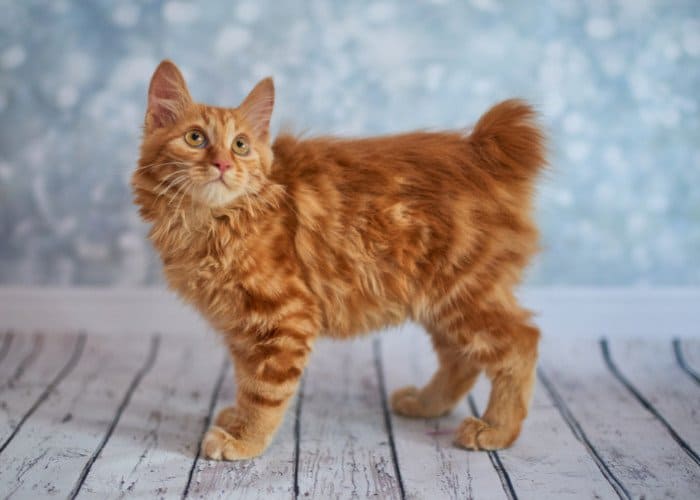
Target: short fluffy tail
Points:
x,y
508,141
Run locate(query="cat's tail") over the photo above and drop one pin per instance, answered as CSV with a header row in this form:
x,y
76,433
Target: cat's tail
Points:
x,y
508,141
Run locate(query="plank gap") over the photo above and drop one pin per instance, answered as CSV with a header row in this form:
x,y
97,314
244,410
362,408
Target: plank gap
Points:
x,y
581,436
297,434
207,421
6,342
377,351
148,364
645,402
75,357
37,345
495,459
680,358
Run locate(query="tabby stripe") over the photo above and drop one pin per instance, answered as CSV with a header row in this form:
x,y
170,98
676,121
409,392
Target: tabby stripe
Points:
x,y
298,317
453,320
279,376
292,333
450,298
262,352
258,399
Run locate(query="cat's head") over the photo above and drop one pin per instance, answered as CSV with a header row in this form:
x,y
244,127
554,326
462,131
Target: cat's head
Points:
x,y
207,155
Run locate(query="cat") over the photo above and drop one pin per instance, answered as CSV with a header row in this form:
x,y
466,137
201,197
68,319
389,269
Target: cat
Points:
x,y
278,243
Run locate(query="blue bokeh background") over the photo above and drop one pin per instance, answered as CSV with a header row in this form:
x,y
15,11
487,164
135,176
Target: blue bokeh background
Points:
x,y
617,83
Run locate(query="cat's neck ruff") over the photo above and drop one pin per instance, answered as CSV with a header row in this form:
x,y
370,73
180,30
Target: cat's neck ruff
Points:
x,y
181,226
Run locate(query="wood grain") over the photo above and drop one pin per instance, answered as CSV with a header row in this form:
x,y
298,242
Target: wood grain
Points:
x,y
63,405
431,465
633,444
344,449
32,367
151,449
55,444
545,449
651,367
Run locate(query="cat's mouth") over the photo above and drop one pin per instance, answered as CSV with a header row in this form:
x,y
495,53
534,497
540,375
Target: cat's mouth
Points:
x,y
219,179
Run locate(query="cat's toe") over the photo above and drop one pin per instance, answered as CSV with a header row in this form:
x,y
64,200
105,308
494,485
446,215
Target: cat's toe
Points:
x,y
220,445
475,434
468,433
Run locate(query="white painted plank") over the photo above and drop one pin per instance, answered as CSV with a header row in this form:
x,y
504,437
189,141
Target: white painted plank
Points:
x,y
344,449
651,367
634,445
32,363
547,461
431,465
151,450
53,446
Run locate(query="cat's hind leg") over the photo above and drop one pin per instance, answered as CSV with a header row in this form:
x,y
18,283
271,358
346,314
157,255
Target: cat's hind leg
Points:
x,y
495,337
512,374
454,377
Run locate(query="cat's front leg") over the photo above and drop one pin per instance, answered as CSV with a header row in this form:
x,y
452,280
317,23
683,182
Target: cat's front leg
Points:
x,y
268,367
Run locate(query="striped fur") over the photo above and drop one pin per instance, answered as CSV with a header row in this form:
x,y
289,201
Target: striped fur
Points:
x,y
337,237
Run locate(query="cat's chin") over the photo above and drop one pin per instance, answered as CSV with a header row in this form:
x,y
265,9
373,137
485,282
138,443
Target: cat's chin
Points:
x,y
216,194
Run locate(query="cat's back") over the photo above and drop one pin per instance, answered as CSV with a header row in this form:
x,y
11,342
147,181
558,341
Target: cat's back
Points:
x,y
421,168
437,156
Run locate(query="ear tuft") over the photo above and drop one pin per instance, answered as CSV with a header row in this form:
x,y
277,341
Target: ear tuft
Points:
x,y
167,96
256,109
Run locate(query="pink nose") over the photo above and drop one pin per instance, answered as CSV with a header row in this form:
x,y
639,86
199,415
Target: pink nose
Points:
x,y
222,165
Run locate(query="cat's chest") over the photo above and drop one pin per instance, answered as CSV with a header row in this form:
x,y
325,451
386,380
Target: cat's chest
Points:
x,y
206,264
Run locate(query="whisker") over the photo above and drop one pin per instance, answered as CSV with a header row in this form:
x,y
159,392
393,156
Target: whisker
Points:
x,y
181,190
162,164
177,187
170,186
182,197
171,174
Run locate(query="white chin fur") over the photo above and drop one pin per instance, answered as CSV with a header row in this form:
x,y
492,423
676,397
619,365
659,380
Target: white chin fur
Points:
x,y
215,194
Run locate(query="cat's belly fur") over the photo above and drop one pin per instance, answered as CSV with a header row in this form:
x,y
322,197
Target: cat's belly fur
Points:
x,y
355,287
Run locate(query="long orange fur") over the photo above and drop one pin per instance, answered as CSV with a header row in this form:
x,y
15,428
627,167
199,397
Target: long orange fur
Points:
x,y
298,239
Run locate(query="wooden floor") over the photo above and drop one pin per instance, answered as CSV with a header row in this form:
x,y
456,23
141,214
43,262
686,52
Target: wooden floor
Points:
x,y
94,416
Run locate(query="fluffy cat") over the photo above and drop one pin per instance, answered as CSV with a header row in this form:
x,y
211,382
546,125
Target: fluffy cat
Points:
x,y
278,244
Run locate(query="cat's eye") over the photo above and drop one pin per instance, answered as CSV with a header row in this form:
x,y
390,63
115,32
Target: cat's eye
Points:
x,y
240,145
196,138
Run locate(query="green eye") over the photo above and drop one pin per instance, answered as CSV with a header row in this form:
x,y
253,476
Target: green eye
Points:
x,y
195,138
240,145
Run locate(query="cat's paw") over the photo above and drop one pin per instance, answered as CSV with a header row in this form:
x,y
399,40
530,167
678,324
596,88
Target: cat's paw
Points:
x,y
407,402
475,434
220,445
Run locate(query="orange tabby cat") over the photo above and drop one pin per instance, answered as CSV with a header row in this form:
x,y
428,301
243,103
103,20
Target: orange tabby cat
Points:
x,y
277,244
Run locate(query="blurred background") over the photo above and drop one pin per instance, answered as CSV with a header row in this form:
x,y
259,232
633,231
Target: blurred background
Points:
x,y
617,83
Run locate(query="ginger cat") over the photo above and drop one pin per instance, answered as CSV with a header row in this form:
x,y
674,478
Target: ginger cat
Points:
x,y
277,244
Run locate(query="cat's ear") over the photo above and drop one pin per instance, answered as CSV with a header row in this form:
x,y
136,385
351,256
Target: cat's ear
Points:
x,y
256,109
168,96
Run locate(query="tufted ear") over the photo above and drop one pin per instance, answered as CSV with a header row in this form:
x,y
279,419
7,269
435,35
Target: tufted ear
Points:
x,y
256,109
168,96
